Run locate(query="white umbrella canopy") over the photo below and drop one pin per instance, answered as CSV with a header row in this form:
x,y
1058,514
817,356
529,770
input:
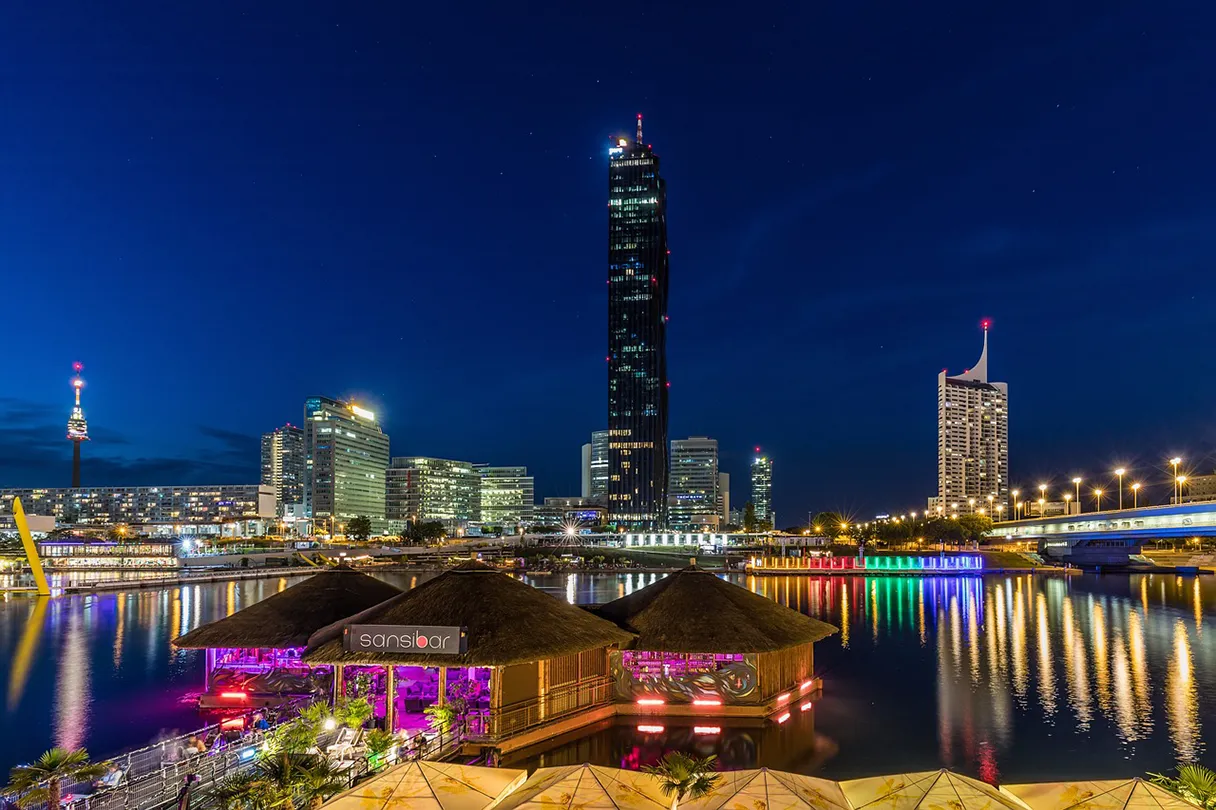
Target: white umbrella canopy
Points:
x,y
431,786
587,787
926,790
1106,794
763,789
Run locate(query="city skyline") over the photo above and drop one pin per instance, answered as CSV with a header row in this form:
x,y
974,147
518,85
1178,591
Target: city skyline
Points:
x,y
851,246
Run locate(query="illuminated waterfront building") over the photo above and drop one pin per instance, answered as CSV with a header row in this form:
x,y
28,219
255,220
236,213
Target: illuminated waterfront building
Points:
x,y
108,506
426,489
693,500
762,487
347,454
637,334
283,462
508,496
595,466
972,439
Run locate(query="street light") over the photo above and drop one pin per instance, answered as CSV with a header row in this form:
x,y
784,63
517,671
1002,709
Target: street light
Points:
x,y
1119,472
1042,507
1016,506
971,503
1181,481
1135,496
1076,482
1098,498
1068,503
1042,498
1176,461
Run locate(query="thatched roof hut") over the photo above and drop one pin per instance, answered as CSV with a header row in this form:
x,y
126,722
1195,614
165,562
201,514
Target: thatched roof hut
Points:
x,y
507,621
289,617
694,611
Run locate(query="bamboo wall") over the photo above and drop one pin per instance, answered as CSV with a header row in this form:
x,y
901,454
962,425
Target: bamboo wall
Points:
x,y
781,670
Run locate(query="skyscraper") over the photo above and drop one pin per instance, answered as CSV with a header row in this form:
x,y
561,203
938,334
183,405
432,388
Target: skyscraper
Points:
x,y
283,462
762,487
508,497
972,440
347,454
693,500
598,468
637,335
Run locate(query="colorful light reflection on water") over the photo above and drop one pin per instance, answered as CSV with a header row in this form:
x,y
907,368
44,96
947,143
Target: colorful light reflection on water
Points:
x,y
1014,677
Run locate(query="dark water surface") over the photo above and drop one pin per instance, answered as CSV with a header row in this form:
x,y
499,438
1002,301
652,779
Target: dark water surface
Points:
x,y
1012,678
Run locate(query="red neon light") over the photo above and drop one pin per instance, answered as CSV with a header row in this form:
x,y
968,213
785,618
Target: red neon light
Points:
x,y
651,702
235,695
706,730
783,718
783,698
806,707
707,702
651,729
807,684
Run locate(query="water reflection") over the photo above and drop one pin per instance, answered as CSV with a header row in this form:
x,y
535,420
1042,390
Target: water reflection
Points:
x,y
924,673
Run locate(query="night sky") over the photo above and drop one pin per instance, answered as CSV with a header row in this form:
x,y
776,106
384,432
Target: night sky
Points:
x,y
223,208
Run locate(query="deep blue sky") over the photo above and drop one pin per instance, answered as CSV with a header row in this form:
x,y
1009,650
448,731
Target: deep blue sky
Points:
x,y
222,208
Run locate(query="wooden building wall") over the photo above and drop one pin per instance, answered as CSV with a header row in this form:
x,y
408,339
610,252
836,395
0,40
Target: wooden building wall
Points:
x,y
781,670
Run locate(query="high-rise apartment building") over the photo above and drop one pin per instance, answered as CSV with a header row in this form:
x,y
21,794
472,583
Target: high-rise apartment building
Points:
x,y
972,439
508,496
347,454
724,498
693,498
283,463
637,335
598,467
144,506
762,487
425,489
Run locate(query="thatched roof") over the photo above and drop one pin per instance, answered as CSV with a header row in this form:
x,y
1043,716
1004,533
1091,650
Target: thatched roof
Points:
x,y
289,617
507,621
693,610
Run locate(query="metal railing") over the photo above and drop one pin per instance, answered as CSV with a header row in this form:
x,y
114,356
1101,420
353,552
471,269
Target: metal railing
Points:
x,y
557,703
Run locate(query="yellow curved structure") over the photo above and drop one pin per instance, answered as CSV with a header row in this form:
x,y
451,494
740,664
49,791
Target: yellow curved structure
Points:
x,y
31,550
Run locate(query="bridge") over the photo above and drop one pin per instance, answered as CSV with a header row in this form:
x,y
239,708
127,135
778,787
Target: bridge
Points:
x,y
1110,537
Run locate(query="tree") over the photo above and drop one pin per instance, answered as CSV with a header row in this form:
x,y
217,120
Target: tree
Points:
x,y
1195,783
353,712
685,777
43,779
945,530
749,517
975,526
359,528
318,780
247,790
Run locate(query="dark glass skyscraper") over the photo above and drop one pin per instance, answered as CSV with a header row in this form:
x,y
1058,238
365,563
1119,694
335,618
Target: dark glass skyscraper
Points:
x,y
637,335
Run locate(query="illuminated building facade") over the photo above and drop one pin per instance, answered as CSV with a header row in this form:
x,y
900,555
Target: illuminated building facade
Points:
x,y
283,462
508,496
972,440
426,489
637,335
595,466
694,499
762,487
347,454
108,506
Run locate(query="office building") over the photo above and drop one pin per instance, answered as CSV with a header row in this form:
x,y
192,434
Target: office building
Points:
x,y
141,506
595,466
585,487
1196,489
972,438
693,501
762,488
283,462
724,497
422,489
559,511
637,335
347,454
508,496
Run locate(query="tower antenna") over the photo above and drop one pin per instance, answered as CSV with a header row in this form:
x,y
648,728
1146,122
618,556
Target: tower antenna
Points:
x,y
639,128
78,428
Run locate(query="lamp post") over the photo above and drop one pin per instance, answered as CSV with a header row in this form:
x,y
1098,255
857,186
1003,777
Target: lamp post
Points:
x,y
1175,461
1042,498
1068,503
1119,472
991,498
1076,482
1042,507
1098,498
971,503
1135,496
1181,481
1015,493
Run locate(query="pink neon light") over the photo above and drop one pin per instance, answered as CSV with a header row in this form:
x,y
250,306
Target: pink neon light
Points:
x,y
650,702
806,685
707,702
806,707
651,729
783,698
783,718
706,730
234,695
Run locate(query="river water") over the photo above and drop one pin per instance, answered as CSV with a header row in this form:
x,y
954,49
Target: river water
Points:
x,y
1010,678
